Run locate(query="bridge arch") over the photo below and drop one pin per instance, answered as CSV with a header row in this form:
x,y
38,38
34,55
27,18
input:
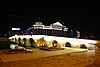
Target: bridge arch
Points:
x,y
54,43
83,46
32,42
67,44
41,42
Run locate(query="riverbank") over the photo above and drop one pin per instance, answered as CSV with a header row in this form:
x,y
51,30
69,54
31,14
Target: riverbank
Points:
x,y
66,58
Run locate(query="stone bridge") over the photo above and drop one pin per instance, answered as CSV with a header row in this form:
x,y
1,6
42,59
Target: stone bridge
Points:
x,y
52,41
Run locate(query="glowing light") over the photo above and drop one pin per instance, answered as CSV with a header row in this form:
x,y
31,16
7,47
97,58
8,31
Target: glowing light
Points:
x,y
56,38
15,28
41,42
54,43
57,23
61,40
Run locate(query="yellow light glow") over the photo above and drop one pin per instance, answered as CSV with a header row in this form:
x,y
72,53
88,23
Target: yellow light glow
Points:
x,y
54,43
41,42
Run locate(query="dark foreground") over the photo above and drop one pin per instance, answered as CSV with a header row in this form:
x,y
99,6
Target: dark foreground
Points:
x,y
90,58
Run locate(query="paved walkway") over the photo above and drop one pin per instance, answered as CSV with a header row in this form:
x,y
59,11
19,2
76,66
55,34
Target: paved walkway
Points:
x,y
62,58
36,54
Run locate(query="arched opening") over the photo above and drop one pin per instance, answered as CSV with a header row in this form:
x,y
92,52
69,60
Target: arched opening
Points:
x,y
83,46
24,42
13,39
54,43
41,42
19,41
31,41
67,44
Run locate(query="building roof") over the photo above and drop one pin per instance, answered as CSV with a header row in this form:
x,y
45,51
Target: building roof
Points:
x,y
57,24
38,24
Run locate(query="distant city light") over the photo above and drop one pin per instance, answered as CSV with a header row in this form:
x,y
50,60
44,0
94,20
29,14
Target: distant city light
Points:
x,y
15,28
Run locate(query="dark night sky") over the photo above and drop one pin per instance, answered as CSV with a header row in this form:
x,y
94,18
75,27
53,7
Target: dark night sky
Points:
x,y
79,15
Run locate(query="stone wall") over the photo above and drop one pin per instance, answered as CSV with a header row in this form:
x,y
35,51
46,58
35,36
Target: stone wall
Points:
x,y
75,43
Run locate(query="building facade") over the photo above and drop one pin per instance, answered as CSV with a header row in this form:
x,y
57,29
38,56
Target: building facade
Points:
x,y
41,35
55,29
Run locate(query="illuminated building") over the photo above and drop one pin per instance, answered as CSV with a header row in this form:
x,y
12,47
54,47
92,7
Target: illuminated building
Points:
x,y
15,31
55,35
55,29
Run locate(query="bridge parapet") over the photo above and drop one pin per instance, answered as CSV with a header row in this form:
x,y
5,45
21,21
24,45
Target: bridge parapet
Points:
x,y
75,43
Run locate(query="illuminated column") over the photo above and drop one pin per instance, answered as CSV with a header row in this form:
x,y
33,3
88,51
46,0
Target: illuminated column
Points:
x,y
59,32
36,31
51,32
46,31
